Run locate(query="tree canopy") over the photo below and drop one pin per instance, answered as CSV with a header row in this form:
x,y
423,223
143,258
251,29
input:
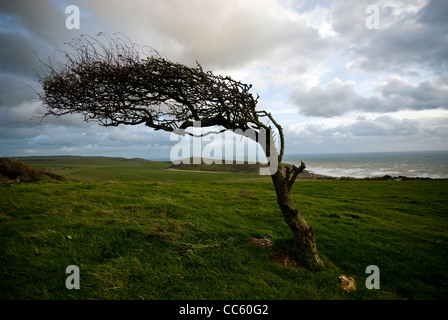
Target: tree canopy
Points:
x,y
115,82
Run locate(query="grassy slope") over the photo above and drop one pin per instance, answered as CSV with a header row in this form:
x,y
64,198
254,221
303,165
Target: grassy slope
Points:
x,y
137,231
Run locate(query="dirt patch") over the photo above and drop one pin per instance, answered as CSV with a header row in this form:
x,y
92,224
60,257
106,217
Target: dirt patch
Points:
x,y
285,259
279,256
261,242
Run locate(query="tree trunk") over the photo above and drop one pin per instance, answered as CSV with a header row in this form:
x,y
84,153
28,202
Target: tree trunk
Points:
x,y
304,237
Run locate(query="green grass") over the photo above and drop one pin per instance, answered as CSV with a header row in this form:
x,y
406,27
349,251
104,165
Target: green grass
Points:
x,y
138,231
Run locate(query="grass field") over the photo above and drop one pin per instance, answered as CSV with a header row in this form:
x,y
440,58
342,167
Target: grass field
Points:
x,y
138,231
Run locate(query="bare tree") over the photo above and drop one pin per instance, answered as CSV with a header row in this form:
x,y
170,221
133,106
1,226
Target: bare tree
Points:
x,y
116,83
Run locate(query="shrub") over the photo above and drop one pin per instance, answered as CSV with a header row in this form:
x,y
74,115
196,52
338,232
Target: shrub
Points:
x,y
12,169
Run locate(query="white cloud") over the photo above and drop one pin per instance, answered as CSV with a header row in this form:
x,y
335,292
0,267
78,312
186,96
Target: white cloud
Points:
x,y
318,18
219,34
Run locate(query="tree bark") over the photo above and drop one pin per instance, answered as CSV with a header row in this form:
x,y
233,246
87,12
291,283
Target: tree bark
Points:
x,y
304,236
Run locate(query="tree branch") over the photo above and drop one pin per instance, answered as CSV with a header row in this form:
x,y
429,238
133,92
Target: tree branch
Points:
x,y
116,83
295,172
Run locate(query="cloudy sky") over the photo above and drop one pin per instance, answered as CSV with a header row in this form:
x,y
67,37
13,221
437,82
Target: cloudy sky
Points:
x,y
339,76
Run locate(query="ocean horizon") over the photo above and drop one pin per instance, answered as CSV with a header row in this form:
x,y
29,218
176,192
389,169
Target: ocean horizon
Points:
x,y
411,164
422,164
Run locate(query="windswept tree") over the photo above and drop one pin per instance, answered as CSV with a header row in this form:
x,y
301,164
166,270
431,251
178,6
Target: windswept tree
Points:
x,y
114,82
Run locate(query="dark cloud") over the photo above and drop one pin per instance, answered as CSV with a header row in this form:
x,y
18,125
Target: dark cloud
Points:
x,y
16,55
434,13
410,42
410,36
399,94
15,89
396,94
41,19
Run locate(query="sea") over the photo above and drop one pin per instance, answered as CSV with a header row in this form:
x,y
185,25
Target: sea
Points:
x,y
422,164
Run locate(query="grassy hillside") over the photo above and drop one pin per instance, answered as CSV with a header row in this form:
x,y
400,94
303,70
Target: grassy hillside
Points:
x,y
138,231
210,165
